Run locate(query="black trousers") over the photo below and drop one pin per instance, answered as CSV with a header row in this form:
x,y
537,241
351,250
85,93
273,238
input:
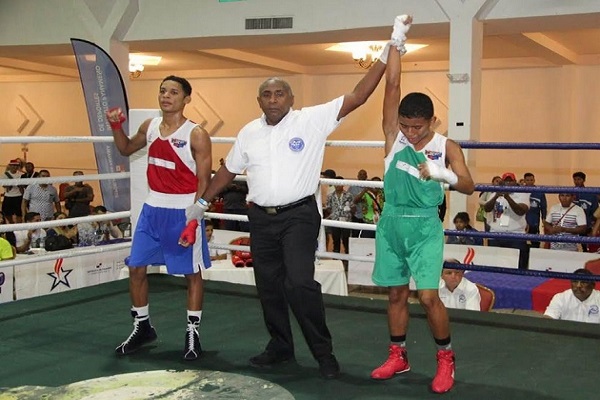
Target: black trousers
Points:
x,y
283,251
514,244
534,230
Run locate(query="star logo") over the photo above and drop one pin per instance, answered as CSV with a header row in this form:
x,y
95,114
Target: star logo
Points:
x,y
59,275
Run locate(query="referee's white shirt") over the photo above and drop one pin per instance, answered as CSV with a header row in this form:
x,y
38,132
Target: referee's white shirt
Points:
x,y
565,305
283,162
464,297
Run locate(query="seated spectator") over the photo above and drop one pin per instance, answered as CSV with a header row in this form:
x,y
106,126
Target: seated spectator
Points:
x,y
7,252
462,223
456,291
565,219
32,238
234,202
580,303
215,254
69,231
105,230
10,236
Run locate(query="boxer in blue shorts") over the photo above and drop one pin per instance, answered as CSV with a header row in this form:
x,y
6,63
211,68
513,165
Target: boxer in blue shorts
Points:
x,y
410,238
179,168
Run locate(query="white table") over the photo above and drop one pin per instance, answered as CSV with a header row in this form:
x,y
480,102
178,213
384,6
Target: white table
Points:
x,y
329,273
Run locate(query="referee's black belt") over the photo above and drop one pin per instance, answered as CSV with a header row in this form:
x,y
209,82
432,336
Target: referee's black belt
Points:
x,y
274,210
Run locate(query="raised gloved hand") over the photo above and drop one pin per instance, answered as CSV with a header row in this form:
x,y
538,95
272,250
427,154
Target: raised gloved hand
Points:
x,y
115,118
402,25
196,211
441,174
188,235
383,57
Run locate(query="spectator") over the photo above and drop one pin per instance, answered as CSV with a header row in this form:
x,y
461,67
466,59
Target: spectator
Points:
x,y
105,230
484,197
358,192
41,198
462,223
30,171
9,235
587,201
13,195
215,254
69,231
508,216
32,238
78,198
456,291
581,303
372,204
537,208
234,202
326,190
340,207
564,219
7,251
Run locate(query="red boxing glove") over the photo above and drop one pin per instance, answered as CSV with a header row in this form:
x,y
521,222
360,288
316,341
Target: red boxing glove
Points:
x,y
116,125
249,263
188,235
237,261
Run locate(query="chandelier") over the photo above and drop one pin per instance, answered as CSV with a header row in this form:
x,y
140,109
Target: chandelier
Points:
x,y
367,56
137,63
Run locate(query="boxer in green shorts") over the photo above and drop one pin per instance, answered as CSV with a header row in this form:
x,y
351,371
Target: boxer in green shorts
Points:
x,y
410,237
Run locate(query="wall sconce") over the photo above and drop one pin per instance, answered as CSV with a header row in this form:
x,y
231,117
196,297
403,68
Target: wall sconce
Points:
x,y
137,63
135,70
365,54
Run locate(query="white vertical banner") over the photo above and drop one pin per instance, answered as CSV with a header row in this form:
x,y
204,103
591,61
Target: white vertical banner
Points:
x,y
6,284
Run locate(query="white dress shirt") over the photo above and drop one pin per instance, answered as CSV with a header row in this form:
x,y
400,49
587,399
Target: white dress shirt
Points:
x,y
464,297
283,162
565,305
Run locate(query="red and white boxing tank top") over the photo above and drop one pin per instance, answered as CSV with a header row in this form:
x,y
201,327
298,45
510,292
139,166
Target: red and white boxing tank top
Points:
x,y
171,166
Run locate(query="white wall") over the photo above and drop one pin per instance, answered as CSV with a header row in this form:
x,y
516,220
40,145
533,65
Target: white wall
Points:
x,y
523,105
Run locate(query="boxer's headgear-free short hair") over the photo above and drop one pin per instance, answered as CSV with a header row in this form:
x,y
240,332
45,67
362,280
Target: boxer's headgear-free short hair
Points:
x,y
185,84
416,105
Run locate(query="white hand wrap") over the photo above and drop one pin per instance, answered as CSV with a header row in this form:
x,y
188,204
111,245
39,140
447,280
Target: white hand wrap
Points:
x,y
196,210
385,53
399,33
441,174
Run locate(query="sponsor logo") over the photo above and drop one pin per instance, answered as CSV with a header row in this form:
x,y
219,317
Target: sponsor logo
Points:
x,y
296,144
433,155
178,143
59,275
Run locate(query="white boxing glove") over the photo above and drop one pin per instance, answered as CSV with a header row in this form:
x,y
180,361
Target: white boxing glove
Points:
x,y
196,211
402,25
441,174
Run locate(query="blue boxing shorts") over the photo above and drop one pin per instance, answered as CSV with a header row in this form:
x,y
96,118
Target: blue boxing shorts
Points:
x,y
155,242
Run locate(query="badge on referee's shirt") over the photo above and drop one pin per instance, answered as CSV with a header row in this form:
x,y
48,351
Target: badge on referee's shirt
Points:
x,y
296,144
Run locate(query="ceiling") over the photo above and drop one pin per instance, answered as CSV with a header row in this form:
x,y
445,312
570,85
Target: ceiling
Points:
x,y
526,42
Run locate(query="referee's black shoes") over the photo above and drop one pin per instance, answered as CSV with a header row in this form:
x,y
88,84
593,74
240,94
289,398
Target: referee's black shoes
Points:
x,y
269,358
329,367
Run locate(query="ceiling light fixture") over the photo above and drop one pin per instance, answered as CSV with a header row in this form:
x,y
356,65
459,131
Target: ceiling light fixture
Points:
x,y
137,63
365,54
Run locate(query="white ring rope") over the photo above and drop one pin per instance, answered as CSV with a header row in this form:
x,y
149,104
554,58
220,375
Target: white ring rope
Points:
x,y
61,179
74,252
56,139
63,222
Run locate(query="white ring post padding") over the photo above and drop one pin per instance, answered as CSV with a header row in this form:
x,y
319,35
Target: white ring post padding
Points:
x,y
138,163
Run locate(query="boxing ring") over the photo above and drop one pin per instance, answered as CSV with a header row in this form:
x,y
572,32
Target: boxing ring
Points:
x,y
53,342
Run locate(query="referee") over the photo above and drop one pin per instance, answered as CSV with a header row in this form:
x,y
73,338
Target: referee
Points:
x,y
282,154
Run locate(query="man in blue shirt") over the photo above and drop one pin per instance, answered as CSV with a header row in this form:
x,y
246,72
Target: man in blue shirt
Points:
x,y
537,208
587,201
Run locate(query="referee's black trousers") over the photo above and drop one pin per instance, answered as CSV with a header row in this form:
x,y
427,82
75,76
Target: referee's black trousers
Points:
x,y
283,252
